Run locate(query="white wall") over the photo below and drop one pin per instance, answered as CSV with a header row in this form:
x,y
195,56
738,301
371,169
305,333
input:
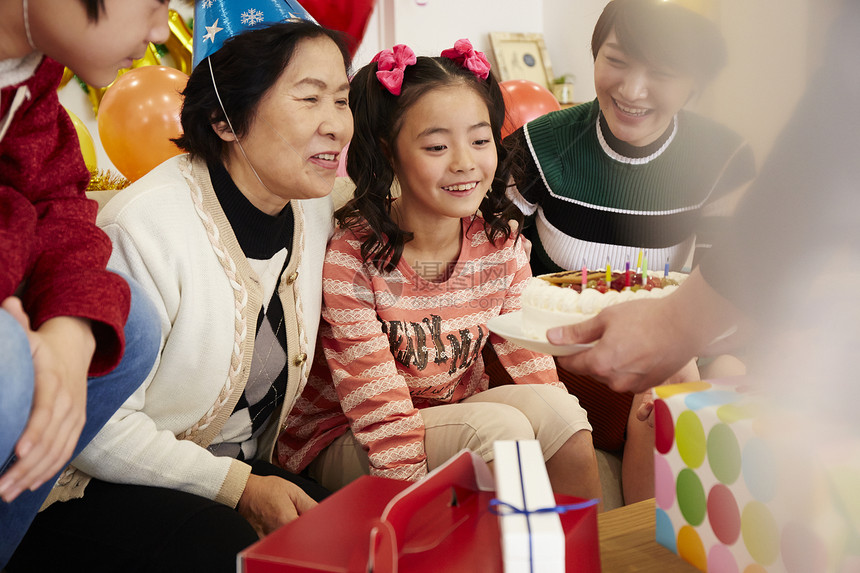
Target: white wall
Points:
x,y
372,41
430,26
769,60
567,31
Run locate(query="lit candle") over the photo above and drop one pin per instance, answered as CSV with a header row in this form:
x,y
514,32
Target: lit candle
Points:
x,y
644,271
584,273
627,273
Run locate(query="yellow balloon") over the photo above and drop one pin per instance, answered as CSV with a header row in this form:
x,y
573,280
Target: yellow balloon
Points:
x,y
150,58
67,76
179,43
95,96
88,148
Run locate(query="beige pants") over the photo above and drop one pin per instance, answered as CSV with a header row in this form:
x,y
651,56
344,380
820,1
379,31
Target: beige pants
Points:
x,y
511,412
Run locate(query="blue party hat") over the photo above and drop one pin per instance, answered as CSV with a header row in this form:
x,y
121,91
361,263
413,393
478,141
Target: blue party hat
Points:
x,y
217,20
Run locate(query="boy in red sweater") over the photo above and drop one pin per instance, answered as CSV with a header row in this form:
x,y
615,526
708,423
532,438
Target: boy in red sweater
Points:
x,y
64,317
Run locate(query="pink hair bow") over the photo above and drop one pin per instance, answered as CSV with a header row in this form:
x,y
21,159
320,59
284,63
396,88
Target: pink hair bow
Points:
x,y
391,64
464,54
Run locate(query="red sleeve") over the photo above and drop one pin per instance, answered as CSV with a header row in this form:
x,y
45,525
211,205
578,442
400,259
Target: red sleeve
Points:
x,y
49,237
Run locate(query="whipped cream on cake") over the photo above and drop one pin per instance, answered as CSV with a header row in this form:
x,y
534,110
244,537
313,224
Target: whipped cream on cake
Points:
x,y
554,300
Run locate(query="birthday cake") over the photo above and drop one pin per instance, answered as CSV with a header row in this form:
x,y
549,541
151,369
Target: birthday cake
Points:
x,y
558,299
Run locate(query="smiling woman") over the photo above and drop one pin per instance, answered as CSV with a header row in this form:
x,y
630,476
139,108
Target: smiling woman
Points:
x,y
228,241
638,100
278,133
631,172
646,168
291,146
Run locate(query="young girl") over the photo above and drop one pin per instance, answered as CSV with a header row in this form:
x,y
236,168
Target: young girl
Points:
x,y
410,282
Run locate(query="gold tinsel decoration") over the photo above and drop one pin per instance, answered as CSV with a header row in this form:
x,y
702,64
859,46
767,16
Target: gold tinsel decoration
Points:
x,y
106,180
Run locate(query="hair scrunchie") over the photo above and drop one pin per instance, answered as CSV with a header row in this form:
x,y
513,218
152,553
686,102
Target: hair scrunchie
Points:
x,y
391,65
464,54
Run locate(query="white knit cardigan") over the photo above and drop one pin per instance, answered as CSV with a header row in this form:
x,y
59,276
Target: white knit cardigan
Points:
x,y
171,235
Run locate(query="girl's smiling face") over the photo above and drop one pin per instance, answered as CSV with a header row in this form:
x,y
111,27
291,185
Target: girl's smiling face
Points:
x,y
444,155
638,100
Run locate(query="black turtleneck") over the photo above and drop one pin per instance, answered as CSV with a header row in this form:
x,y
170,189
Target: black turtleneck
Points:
x,y
625,149
260,235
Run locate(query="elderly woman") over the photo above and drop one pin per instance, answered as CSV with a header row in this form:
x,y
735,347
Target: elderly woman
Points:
x,y
228,240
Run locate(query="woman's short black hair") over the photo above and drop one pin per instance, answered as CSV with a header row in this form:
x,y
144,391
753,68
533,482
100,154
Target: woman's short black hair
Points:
x,y
245,68
663,34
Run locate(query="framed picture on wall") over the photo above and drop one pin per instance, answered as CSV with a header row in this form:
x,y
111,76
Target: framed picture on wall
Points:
x,y
521,56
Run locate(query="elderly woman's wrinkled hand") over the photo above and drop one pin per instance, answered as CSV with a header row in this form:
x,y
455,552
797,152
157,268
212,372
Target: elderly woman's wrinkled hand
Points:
x,y
269,502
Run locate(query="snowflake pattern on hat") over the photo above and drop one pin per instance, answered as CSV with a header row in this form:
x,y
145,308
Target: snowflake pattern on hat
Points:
x,y
252,17
217,20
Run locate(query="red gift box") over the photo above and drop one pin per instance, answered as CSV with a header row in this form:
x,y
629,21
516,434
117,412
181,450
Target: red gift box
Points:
x,y
441,523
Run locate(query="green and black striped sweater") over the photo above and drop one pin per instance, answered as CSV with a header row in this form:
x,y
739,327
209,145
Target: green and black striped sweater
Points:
x,y
595,198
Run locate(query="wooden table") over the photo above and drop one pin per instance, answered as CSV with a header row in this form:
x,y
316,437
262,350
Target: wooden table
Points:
x,y
627,542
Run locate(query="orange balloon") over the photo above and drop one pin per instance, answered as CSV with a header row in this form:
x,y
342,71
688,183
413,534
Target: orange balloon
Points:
x,y
524,101
138,116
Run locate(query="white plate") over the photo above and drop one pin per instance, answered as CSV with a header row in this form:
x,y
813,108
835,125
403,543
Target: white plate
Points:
x,y
510,326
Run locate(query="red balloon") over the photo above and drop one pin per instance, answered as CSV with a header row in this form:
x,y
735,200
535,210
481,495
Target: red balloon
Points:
x,y
347,16
524,101
139,115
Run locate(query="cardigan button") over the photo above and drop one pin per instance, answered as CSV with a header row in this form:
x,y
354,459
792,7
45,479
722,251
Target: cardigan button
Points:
x,y
300,359
292,278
